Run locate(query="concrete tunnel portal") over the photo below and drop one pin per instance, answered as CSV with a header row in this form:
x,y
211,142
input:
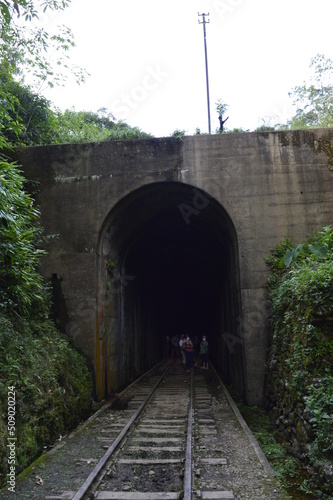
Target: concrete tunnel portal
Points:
x,y
168,264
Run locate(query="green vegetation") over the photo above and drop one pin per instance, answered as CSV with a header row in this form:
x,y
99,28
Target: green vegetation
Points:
x,y
21,288
52,386
26,117
49,380
300,381
313,102
288,469
29,120
52,383
84,126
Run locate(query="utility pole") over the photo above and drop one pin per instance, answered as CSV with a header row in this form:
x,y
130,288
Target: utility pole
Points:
x,y
204,22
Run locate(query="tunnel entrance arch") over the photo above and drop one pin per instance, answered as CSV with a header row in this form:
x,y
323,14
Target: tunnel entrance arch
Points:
x,y
167,264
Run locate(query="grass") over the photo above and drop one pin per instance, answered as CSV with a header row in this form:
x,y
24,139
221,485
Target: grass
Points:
x,y
289,469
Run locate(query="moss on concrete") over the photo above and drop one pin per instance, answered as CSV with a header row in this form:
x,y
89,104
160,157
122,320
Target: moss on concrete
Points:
x,y
52,387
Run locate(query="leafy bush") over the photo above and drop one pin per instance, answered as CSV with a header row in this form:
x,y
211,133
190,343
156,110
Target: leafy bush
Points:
x,y
53,386
52,383
320,406
85,126
300,382
21,287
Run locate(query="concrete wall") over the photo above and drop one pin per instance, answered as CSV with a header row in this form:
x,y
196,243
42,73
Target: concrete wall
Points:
x,y
247,192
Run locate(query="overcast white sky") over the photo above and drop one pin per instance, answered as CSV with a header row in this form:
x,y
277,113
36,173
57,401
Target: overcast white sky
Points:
x,y
147,66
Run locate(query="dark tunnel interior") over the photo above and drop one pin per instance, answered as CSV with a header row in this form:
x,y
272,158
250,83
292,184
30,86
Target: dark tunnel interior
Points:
x,y
179,270
176,249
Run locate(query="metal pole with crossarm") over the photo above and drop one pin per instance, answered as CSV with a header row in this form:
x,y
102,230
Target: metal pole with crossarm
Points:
x,y
203,22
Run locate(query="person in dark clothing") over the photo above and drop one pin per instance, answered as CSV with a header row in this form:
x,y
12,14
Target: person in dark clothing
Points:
x,y
188,353
204,353
182,349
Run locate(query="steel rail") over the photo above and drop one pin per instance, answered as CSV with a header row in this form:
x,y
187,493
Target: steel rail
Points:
x,y
103,461
188,459
258,451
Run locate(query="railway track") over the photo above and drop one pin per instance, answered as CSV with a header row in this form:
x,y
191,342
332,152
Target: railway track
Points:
x,y
157,451
172,435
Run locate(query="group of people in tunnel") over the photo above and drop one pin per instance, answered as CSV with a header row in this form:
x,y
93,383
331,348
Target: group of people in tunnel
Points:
x,y
184,348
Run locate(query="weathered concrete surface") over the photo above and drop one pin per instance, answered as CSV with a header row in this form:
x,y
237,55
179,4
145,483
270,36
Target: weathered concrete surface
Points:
x,y
161,211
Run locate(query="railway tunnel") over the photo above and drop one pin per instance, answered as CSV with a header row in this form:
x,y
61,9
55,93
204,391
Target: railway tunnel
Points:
x,y
168,264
